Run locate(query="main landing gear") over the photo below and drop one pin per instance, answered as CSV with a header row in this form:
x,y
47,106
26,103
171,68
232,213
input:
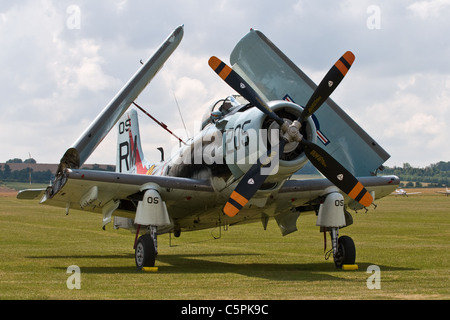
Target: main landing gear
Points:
x,y
145,249
330,218
344,251
151,213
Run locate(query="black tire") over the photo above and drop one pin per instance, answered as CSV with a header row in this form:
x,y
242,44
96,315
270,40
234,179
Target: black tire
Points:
x,y
145,253
346,252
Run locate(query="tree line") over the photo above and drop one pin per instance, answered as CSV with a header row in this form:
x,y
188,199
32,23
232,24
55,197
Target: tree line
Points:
x,y
435,175
24,175
28,174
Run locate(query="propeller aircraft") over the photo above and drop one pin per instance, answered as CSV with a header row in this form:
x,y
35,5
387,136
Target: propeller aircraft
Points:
x,y
239,167
403,192
446,192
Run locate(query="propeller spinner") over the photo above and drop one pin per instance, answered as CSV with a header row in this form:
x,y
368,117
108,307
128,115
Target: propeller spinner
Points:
x,y
323,161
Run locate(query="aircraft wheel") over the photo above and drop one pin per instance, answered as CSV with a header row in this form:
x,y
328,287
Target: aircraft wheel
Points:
x,y
145,253
346,253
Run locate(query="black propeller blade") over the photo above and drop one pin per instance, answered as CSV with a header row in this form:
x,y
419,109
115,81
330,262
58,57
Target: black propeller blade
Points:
x,y
253,179
336,173
234,80
328,84
251,182
324,162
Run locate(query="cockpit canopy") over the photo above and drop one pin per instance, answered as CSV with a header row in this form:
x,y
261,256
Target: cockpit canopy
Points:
x,y
221,108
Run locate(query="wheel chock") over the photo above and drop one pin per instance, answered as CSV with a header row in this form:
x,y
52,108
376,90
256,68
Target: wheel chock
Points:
x,y
150,269
349,267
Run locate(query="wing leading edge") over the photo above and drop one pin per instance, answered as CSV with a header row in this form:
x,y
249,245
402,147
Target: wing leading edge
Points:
x,y
387,183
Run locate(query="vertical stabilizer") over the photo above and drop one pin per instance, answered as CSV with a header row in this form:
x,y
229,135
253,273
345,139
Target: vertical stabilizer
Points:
x,y
130,158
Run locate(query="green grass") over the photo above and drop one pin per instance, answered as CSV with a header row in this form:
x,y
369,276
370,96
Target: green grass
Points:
x,y
408,238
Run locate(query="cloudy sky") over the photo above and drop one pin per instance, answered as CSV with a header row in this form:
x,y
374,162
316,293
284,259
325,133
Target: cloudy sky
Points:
x,y
61,62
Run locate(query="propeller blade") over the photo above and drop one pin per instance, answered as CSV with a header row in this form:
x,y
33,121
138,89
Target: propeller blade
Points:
x,y
250,183
234,80
254,178
336,173
325,163
328,84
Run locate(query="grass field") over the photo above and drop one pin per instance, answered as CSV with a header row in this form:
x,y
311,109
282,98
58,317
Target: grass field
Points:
x,y
407,238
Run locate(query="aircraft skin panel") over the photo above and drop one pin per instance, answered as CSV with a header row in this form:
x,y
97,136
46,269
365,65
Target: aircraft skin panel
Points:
x,y
266,68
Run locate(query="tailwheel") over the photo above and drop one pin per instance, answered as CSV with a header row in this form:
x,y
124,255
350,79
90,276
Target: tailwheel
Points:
x,y
346,252
145,253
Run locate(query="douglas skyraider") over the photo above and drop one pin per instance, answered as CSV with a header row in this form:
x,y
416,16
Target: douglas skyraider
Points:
x,y
237,168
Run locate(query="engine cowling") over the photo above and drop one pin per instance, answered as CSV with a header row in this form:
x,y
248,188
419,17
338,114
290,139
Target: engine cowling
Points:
x,y
248,134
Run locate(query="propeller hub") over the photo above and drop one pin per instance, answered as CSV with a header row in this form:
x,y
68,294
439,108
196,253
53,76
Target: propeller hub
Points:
x,y
291,145
293,132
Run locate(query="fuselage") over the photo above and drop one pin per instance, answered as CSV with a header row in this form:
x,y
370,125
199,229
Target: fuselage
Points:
x,y
228,144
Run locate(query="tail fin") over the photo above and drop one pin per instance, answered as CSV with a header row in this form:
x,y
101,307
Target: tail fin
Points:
x,y
130,158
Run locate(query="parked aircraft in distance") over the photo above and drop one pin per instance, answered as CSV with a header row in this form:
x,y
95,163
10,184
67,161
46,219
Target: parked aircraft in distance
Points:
x,y
402,192
446,192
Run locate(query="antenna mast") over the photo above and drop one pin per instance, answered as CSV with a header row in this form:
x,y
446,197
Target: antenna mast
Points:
x,y
181,116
